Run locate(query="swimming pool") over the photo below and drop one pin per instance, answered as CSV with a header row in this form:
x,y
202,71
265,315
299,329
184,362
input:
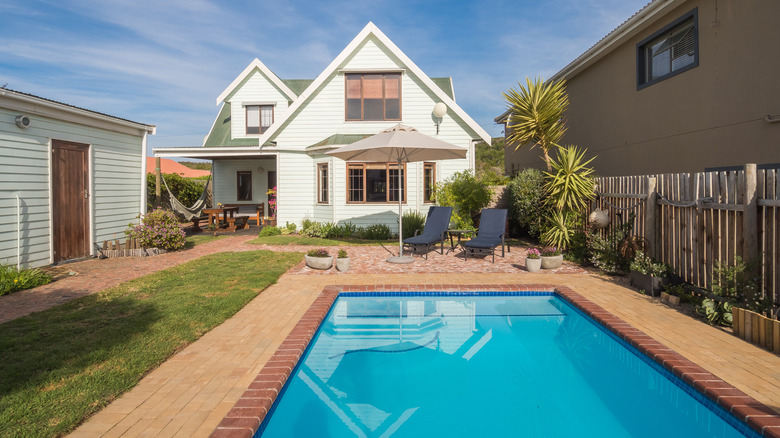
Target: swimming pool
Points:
x,y
497,365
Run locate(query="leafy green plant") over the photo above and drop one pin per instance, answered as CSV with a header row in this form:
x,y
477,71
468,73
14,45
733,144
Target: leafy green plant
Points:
x,y
312,229
716,312
13,280
343,254
288,228
646,265
741,285
412,221
559,228
269,230
322,252
376,232
526,202
605,251
465,195
158,229
186,190
570,185
684,291
536,115
492,177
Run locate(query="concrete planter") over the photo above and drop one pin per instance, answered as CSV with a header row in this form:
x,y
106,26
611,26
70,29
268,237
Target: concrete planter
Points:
x,y
319,262
342,264
552,262
533,265
652,285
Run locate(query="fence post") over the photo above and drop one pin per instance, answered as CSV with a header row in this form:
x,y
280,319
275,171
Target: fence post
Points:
x,y
650,207
750,216
157,180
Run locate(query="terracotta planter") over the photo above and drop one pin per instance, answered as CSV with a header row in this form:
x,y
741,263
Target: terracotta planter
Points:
x,y
342,264
649,283
533,265
552,262
319,262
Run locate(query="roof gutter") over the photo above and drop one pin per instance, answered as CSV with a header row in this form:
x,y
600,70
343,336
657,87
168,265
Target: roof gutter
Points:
x,y
151,129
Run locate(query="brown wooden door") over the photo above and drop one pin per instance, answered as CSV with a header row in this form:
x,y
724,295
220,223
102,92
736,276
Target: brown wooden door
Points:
x,y
70,200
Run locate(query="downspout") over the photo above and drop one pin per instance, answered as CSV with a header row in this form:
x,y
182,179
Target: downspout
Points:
x,y
332,188
18,233
142,206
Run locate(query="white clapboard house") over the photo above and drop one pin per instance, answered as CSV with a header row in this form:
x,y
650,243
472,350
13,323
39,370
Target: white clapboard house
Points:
x,y
272,132
69,178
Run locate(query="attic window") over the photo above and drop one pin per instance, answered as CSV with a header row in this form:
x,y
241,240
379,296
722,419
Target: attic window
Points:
x,y
259,118
373,96
668,52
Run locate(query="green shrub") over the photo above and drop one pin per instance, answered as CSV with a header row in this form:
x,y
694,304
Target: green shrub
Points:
x,y
269,230
347,230
526,202
12,280
491,177
465,195
376,232
343,254
158,229
329,230
605,251
288,228
412,221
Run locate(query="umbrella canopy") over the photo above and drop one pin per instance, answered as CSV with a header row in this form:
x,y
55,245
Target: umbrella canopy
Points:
x,y
400,144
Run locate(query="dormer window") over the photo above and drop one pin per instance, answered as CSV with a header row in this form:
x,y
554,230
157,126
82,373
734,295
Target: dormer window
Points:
x,y
259,118
373,96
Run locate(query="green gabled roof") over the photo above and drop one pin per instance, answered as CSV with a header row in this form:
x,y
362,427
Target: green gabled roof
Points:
x,y
297,85
220,133
446,86
338,139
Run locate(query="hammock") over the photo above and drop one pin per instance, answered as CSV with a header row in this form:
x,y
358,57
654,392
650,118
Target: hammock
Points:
x,y
188,212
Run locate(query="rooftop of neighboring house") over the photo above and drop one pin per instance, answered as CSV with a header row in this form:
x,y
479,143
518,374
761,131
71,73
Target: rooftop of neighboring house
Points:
x,y
170,166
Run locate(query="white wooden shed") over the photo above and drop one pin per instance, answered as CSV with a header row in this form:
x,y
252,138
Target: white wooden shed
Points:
x,y
69,178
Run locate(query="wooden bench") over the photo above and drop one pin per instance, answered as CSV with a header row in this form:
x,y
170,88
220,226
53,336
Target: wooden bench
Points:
x,y
246,213
196,222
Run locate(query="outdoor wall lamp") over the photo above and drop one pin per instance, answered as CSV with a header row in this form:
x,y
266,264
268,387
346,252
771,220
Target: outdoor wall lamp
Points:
x,y
439,110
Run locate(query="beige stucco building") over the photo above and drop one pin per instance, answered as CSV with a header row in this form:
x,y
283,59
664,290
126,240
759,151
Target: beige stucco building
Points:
x,y
681,86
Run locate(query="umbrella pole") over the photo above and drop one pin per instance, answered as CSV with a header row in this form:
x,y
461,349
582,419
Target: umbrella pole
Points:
x,y
400,258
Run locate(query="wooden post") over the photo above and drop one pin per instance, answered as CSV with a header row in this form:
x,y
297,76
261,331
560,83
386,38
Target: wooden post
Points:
x,y
158,180
750,216
650,225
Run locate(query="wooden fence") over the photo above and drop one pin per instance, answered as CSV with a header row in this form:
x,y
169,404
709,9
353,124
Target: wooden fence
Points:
x,y
692,220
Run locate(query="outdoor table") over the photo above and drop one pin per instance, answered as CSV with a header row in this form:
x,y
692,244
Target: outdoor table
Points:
x,y
225,211
458,233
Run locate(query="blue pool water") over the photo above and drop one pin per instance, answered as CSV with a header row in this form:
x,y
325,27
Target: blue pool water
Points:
x,y
451,366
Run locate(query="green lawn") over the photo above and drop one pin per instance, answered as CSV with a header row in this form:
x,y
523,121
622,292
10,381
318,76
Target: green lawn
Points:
x,y
295,239
61,365
200,239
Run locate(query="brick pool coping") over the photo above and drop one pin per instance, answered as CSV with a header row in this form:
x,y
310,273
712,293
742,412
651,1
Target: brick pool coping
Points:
x,y
244,419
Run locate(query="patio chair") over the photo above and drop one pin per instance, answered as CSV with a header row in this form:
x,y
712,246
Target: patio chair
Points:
x,y
434,231
491,234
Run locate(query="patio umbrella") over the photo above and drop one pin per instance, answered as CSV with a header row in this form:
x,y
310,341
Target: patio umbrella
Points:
x,y
400,144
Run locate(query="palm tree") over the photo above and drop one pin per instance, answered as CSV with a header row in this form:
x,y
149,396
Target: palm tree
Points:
x,y
536,115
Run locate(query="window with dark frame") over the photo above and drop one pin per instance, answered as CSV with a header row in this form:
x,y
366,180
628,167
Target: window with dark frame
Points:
x,y
259,118
244,185
429,179
668,52
374,96
374,182
322,183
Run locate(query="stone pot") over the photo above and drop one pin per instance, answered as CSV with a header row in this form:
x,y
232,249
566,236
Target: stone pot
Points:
x,y
533,265
319,262
552,262
342,264
650,284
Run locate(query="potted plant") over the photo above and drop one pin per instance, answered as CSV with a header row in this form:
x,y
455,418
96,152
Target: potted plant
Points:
x,y
342,262
319,259
551,257
647,275
533,260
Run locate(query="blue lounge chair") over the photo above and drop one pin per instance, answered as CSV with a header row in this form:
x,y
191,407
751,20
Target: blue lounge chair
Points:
x,y
491,233
434,232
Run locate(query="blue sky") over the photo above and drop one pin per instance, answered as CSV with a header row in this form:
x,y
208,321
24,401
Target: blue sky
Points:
x,y
164,62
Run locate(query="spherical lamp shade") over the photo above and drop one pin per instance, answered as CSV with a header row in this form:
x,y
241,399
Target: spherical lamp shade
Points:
x,y
599,218
440,109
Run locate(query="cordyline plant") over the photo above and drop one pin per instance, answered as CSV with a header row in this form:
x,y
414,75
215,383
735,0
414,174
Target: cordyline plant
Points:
x,y
536,115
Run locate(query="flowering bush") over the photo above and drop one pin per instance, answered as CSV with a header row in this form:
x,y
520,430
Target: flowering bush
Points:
x,y
158,229
343,254
550,251
533,253
272,201
317,253
12,280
